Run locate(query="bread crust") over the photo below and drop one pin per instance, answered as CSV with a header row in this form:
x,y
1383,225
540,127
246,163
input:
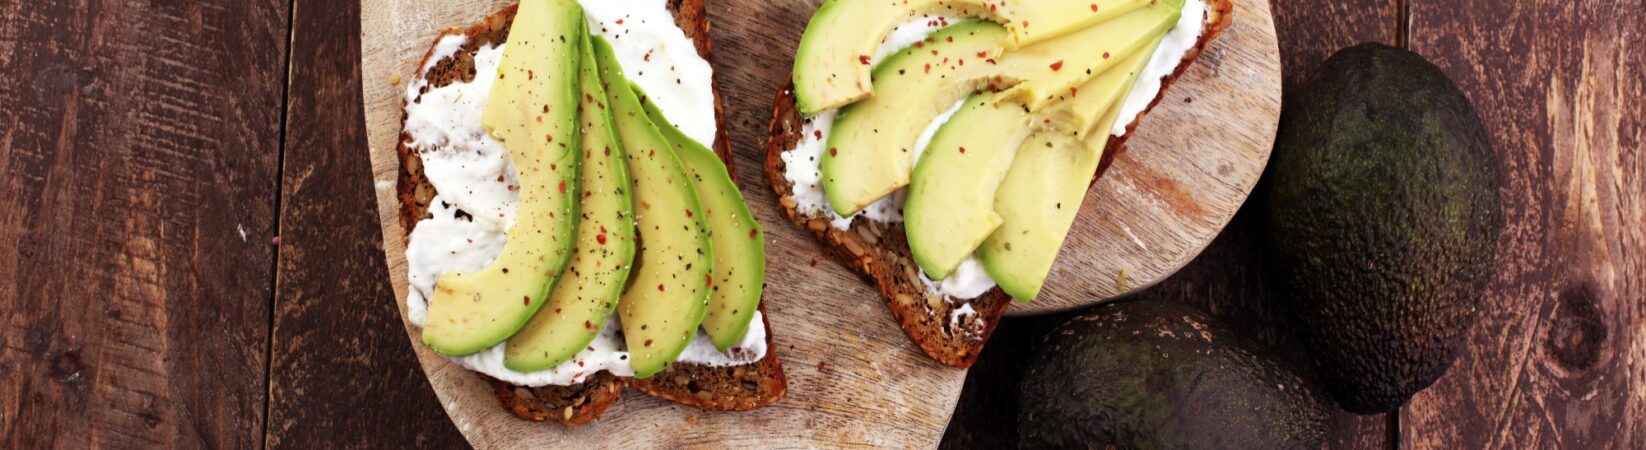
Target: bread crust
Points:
x,y
729,388
879,252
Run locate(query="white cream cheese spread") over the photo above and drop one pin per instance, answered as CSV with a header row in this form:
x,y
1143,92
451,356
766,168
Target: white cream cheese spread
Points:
x,y
478,190
802,164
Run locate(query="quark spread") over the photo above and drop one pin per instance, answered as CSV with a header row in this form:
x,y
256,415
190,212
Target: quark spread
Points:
x,y
478,189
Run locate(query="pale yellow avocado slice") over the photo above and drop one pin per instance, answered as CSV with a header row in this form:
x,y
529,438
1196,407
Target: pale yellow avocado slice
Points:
x,y
871,146
668,288
832,67
948,212
1041,194
1054,69
739,244
533,111
586,294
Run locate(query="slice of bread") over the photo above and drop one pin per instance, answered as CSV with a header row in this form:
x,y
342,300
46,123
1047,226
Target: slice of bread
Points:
x,y
880,253
720,388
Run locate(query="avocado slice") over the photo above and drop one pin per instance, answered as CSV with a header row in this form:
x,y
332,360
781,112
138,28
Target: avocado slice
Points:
x,y
831,64
949,210
1041,194
739,247
1053,70
533,111
668,288
871,147
587,292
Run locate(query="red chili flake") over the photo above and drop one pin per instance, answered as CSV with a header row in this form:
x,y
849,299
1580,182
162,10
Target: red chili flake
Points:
x,y
1056,66
863,59
548,138
1025,24
928,68
990,60
539,118
708,280
753,233
530,74
648,343
814,262
651,153
587,97
991,7
1048,120
962,150
833,151
499,178
580,362
820,366
645,205
557,310
601,238
545,109
562,187
589,325
660,287
526,299
983,54
1074,92
951,38
919,44
647,57
619,21
688,213
1105,55
1094,7
818,134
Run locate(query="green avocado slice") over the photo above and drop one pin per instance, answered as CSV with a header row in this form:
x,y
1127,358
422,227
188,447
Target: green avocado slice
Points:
x,y
1054,69
739,244
533,111
831,65
586,294
1042,192
871,146
949,210
668,288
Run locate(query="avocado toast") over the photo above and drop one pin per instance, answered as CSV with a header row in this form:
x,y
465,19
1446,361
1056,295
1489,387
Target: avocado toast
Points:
x,y
610,163
909,153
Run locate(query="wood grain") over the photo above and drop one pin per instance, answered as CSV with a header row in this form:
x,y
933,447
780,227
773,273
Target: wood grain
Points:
x,y
1557,357
341,375
138,151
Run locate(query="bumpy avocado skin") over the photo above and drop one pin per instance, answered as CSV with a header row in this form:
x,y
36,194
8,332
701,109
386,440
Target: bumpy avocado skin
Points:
x,y
1382,219
1156,374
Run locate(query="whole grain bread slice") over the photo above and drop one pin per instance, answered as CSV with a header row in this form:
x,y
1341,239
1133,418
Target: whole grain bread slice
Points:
x,y
721,388
880,253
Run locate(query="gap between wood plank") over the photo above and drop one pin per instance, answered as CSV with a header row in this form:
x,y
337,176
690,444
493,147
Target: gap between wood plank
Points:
x,y
279,216
1403,23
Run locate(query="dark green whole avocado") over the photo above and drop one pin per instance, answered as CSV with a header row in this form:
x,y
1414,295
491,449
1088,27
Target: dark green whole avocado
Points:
x,y
1156,374
1382,217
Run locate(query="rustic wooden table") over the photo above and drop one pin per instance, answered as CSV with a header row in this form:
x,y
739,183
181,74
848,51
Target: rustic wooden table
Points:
x,y
189,255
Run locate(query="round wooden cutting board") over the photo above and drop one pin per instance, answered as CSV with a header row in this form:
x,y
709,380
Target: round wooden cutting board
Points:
x,y
854,379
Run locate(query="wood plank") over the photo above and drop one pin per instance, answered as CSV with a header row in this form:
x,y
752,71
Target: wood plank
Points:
x,y
1557,357
1227,279
138,151
343,374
